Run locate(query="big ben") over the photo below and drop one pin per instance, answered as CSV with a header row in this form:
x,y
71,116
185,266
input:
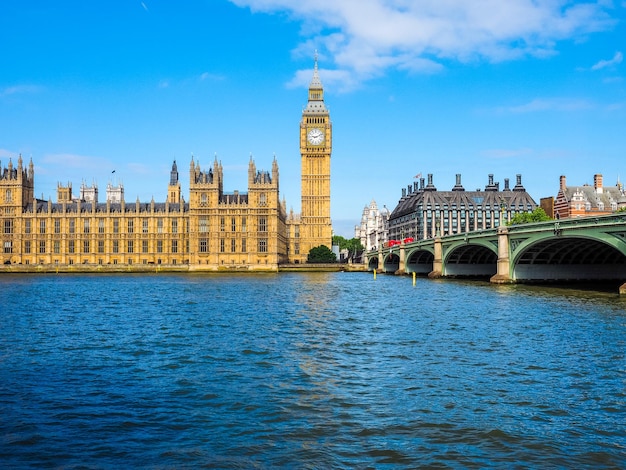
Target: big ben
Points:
x,y
315,151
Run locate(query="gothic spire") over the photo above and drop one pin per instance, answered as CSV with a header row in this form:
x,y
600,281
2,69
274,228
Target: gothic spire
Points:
x,y
316,104
316,83
174,174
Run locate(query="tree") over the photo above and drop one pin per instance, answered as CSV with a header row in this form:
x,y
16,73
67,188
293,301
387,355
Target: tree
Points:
x,y
321,254
353,245
538,215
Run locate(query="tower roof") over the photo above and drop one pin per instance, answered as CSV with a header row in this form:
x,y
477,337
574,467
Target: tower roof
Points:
x,y
174,174
315,81
316,103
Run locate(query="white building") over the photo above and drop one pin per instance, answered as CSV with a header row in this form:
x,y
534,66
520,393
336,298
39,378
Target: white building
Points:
x,y
115,194
374,228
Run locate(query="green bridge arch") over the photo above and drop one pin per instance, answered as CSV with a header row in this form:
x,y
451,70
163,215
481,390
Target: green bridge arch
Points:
x,y
585,254
592,248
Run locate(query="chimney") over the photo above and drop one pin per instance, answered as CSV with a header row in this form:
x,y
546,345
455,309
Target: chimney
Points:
x,y
562,184
458,186
491,186
597,183
430,186
506,184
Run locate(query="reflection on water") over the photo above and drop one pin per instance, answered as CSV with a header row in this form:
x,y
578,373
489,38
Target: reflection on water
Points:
x,y
325,370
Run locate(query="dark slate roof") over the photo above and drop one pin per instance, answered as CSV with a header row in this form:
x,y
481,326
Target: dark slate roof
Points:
x,y
408,204
86,207
241,198
610,194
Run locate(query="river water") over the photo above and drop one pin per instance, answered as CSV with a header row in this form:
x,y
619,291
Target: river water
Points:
x,y
324,370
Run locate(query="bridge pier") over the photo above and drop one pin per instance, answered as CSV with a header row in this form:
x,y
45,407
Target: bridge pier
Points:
x,y
503,274
437,271
401,264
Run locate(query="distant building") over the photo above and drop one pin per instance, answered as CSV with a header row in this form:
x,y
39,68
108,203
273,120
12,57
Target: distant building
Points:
x,y
547,204
374,228
115,194
423,211
586,200
87,193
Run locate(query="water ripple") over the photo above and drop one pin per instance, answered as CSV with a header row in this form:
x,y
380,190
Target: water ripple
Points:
x,y
328,370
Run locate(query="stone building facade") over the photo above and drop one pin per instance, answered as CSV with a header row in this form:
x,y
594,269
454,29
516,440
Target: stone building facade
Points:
x,y
423,211
214,230
374,227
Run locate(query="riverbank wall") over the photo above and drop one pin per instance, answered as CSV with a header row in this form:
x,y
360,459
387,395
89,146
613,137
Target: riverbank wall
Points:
x,y
173,268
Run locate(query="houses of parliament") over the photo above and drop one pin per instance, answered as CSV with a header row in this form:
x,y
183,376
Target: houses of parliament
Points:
x,y
211,231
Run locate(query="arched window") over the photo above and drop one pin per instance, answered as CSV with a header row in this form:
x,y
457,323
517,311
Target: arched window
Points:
x,y
9,196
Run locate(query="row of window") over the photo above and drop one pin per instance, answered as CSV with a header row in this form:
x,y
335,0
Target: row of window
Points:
x,y
203,225
86,226
446,215
101,261
203,245
478,207
417,228
72,246
600,206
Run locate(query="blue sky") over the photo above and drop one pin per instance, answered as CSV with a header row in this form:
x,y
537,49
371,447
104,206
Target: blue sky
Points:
x,y
414,86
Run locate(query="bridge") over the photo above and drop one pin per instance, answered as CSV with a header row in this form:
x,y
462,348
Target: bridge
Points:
x,y
580,249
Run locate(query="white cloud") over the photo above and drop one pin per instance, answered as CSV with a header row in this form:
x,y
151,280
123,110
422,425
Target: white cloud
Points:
x,y
211,76
365,38
617,59
550,104
19,89
340,79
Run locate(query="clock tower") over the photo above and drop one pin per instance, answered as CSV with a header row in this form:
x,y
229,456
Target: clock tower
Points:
x,y
315,150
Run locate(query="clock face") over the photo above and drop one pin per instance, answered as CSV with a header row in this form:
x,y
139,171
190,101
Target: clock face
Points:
x,y
315,136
